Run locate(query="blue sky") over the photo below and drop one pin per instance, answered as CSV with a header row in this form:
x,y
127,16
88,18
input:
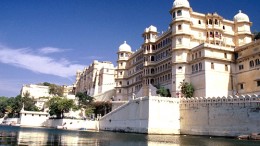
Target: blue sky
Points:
x,y
48,40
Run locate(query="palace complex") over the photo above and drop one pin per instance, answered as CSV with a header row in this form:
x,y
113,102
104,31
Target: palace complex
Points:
x,y
217,56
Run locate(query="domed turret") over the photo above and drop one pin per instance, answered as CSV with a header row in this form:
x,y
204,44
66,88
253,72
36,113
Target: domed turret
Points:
x,y
124,47
151,29
241,17
181,3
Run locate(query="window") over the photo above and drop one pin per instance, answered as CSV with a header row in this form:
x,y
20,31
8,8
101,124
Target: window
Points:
x,y
120,83
212,65
179,27
122,54
211,34
199,53
179,41
258,83
179,13
121,73
210,21
226,67
224,27
241,67
251,63
225,55
119,91
257,62
173,15
193,70
241,86
216,21
180,68
199,22
200,66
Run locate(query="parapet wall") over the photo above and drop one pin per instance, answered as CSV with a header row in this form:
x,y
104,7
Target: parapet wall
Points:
x,y
221,116
152,115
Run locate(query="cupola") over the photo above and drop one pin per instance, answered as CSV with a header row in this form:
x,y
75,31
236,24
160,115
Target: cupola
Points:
x,y
241,17
181,3
124,47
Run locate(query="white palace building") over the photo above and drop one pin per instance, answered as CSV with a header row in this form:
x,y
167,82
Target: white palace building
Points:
x,y
217,56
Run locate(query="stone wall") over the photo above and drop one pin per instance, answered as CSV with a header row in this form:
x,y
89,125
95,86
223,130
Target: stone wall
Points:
x,y
221,116
153,115
225,116
72,124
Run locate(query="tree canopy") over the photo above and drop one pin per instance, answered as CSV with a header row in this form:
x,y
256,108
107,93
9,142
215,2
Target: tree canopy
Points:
x,y
186,89
257,35
13,105
59,105
162,91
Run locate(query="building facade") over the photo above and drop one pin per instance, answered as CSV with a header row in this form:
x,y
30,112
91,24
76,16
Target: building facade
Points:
x,y
97,80
203,49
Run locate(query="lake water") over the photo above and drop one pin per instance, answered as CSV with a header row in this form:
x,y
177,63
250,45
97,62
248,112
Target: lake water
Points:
x,y
40,136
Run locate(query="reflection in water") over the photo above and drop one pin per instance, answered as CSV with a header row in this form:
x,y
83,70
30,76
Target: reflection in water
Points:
x,y
39,136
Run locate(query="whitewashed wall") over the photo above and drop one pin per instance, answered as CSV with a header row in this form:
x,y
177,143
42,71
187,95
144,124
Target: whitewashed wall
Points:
x,y
153,115
230,116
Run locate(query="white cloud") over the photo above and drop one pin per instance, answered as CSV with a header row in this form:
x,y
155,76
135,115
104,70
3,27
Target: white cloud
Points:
x,y
94,57
24,58
48,50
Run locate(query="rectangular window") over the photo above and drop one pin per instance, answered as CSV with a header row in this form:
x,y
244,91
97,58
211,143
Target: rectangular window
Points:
x,y
225,55
241,86
258,83
241,67
179,27
212,65
226,67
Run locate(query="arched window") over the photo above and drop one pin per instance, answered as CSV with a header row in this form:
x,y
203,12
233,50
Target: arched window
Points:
x,y
200,66
179,13
257,62
251,63
152,71
179,27
173,15
199,22
211,34
216,21
210,21
152,58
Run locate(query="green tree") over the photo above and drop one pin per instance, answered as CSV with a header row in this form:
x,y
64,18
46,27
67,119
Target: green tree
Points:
x,y
14,105
3,105
59,105
84,99
85,103
29,104
56,90
257,35
186,89
163,91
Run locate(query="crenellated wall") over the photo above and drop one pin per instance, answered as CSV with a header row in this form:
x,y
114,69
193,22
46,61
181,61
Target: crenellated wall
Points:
x,y
153,115
221,116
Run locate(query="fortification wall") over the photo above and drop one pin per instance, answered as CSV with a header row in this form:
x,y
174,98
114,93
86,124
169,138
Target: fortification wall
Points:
x,y
153,115
226,116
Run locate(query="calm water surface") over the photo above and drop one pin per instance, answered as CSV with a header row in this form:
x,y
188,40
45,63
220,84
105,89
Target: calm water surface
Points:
x,y
38,136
